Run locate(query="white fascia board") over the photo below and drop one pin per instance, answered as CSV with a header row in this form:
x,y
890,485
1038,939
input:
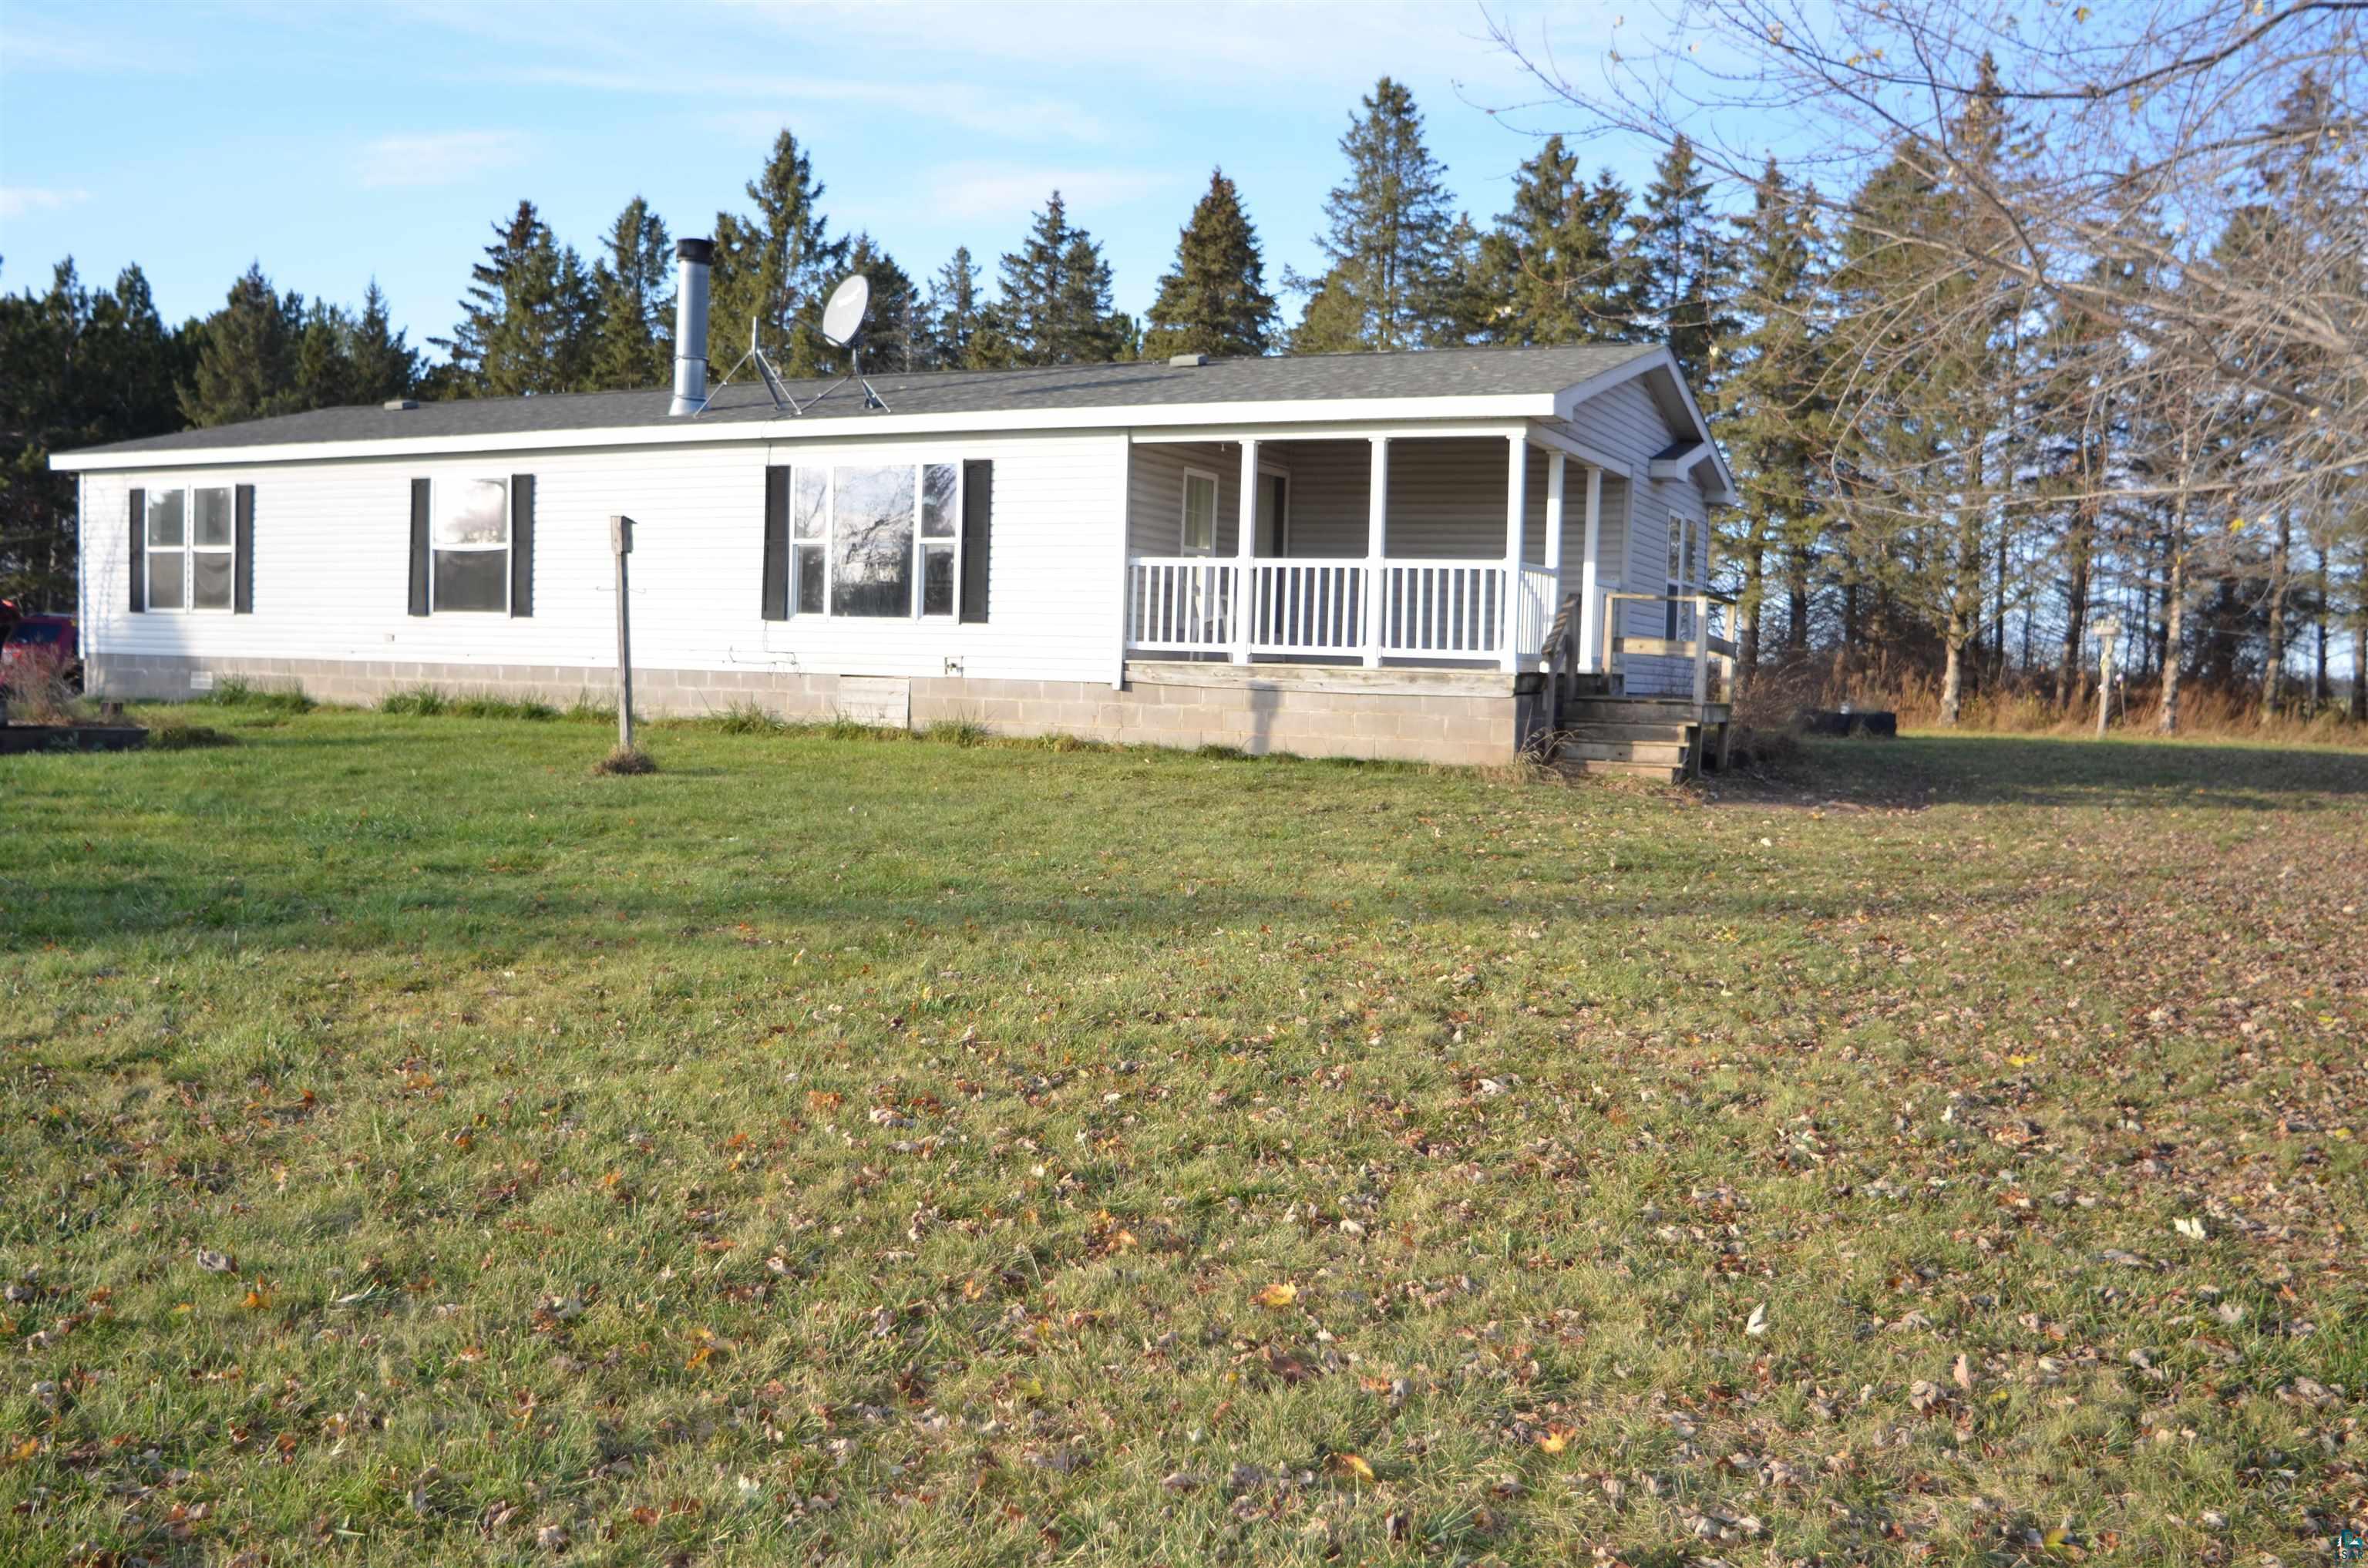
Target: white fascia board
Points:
x,y
689,431
1395,429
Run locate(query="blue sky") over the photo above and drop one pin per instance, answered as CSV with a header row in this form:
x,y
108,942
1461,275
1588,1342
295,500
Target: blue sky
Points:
x,y
335,142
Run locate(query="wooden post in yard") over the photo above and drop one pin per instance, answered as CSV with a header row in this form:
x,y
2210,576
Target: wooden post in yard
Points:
x,y
2108,631
620,540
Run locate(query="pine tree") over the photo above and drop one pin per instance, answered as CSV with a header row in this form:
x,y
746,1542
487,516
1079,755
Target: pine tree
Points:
x,y
960,335
1772,413
891,339
632,340
78,367
325,366
1215,301
1388,231
1924,336
527,323
1055,304
774,269
385,365
1335,319
1684,267
246,355
1555,268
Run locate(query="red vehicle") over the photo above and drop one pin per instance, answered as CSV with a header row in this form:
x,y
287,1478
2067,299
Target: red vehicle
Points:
x,y
39,647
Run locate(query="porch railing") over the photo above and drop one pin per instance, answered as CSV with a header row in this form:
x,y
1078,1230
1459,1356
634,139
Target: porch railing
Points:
x,y
1709,654
1307,606
1398,608
1179,604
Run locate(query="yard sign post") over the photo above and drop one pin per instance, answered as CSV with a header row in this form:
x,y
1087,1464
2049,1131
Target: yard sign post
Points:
x,y
620,540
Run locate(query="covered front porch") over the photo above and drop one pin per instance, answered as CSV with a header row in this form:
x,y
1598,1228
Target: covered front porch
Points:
x,y
1497,548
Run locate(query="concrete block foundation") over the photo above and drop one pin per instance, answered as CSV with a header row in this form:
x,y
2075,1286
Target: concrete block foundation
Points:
x,y
1465,717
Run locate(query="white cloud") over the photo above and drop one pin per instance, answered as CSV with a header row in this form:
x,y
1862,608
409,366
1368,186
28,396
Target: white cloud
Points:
x,y
1006,190
24,200
449,157
962,104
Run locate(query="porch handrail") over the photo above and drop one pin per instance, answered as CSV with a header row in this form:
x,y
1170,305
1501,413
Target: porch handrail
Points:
x,y
1700,649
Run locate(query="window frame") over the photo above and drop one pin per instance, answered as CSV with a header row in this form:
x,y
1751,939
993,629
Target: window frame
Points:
x,y
436,484
188,550
1184,512
826,541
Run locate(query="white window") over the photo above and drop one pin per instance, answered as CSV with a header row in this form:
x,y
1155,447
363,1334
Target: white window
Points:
x,y
875,541
188,549
469,535
1199,513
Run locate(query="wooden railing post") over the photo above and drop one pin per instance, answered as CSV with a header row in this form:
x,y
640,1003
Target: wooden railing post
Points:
x,y
1701,649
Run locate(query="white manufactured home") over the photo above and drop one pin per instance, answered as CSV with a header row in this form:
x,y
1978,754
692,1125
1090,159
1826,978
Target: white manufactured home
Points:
x,y
1418,555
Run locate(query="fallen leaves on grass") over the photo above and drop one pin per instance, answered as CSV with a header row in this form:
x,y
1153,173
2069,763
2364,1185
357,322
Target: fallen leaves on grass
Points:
x,y
1278,1295
1353,1469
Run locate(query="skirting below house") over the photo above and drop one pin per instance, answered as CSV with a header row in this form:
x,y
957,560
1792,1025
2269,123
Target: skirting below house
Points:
x,y
1470,717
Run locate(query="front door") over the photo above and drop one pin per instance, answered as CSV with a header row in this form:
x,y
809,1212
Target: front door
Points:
x,y
1274,515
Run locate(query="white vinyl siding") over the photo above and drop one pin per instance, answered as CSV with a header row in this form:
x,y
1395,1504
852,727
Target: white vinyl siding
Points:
x,y
332,584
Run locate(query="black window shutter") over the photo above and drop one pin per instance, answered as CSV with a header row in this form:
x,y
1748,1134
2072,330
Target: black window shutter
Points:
x,y
777,544
521,544
419,547
979,535
242,568
138,551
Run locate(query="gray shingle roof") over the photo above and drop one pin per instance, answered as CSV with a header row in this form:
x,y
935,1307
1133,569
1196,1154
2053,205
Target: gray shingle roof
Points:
x,y
1438,373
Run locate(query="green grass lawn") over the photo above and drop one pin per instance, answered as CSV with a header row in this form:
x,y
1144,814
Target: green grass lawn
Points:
x,y
832,1149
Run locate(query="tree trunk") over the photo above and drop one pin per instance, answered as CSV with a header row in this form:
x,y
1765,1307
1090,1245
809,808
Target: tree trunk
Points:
x,y
2274,679
1796,603
2321,692
2360,648
1754,591
2174,614
2071,669
1953,673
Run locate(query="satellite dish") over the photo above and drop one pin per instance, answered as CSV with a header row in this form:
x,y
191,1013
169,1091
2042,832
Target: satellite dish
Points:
x,y
842,327
842,318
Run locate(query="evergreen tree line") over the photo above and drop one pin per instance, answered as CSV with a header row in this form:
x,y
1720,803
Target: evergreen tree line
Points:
x,y
1571,261
2007,475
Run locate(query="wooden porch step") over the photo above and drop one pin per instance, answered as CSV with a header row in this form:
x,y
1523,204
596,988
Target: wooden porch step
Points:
x,y
1659,771
1666,753
1592,730
1641,710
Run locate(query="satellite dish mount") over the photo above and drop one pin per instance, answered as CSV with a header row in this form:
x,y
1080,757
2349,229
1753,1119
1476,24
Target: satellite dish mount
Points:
x,y
842,327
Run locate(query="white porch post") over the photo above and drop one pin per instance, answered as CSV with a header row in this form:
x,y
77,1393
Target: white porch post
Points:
x,y
1377,522
1245,552
1517,504
1556,463
1590,611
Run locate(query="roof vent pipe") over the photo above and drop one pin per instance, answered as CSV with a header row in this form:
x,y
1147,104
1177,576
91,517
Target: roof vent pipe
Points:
x,y
692,259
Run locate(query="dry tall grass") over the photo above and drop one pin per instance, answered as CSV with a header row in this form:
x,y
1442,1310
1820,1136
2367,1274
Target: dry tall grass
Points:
x,y
1778,693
